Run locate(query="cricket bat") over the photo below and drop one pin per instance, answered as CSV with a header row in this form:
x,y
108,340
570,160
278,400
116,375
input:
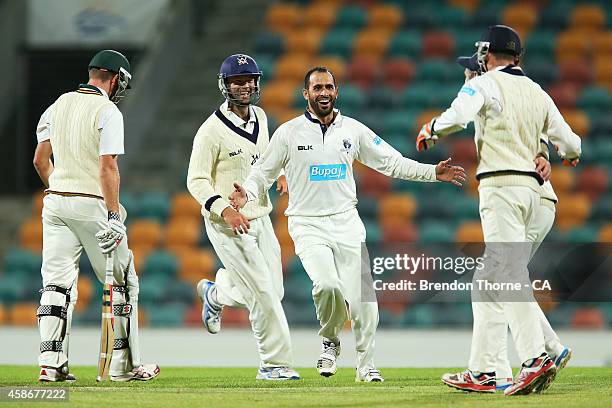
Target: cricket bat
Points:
x,y
107,339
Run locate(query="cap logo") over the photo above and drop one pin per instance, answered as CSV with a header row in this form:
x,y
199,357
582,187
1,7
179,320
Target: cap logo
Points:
x,y
242,60
511,45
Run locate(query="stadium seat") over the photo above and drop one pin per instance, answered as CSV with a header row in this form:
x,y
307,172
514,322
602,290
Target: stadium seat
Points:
x,y
145,233
85,289
399,207
351,17
602,43
463,152
605,233
464,42
161,263
601,128
572,211
467,5
555,15
593,181
578,74
489,13
584,234
283,17
564,95
439,72
578,121
424,117
279,95
335,64
170,315
185,206
338,42
37,203
385,17
465,208
588,17
540,44
183,232
371,44
197,264
405,44
450,18
362,73
382,98
234,317
17,286
400,122
351,100
595,99
435,232
603,71
469,231
154,206
400,231
397,73
418,96
140,253
368,208
562,178
373,184
266,64
305,42
420,16
437,44
522,17
3,315
588,318
30,234
573,46
290,68
23,314
320,16
270,44
23,261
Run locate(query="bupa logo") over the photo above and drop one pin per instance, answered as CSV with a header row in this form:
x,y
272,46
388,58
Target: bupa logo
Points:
x,y
236,153
327,172
308,147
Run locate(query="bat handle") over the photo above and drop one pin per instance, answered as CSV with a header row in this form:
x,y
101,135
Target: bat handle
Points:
x,y
108,271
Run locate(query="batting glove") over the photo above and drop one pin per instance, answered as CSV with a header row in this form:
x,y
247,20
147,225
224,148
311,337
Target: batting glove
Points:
x,y
110,237
425,140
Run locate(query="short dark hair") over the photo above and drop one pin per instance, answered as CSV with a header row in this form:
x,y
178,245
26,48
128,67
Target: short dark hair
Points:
x,y
317,69
103,75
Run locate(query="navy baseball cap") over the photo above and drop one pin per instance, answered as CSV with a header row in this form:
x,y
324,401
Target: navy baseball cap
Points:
x,y
470,63
502,39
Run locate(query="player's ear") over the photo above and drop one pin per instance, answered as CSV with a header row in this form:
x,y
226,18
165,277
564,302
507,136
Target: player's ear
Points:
x,y
305,93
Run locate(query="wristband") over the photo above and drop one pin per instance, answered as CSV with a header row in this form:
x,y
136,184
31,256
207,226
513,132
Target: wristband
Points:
x,y
112,215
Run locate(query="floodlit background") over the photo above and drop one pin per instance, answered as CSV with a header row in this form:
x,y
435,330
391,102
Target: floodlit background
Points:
x,y
395,62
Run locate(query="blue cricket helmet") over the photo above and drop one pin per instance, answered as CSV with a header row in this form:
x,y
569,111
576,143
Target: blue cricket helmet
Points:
x,y
237,65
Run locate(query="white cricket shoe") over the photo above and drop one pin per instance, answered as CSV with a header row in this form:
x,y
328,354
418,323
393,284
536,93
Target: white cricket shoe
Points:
x,y
277,374
369,375
144,372
326,365
51,374
211,313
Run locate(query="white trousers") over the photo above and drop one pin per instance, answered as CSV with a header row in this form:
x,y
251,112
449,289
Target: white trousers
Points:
x,y
537,231
330,249
253,278
506,214
69,227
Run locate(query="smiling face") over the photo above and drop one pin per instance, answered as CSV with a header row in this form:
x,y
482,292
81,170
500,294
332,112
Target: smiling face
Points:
x,y
321,93
241,87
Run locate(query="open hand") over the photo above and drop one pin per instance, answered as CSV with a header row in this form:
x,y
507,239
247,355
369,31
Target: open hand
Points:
x,y
238,198
237,222
543,168
281,185
453,174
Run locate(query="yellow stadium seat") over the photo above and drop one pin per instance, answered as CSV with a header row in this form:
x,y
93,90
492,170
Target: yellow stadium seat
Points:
x,y
386,17
521,17
371,43
572,211
562,178
145,233
603,69
183,231
468,5
85,289
578,121
184,205
283,17
602,43
573,45
3,315
397,207
334,64
588,17
23,314
605,233
424,117
304,42
470,231
286,115
279,95
196,264
291,68
30,234
320,16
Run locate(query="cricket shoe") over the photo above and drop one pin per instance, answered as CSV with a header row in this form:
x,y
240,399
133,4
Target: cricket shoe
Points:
x,y
211,313
533,376
144,372
326,364
560,362
502,383
369,375
468,381
51,374
277,374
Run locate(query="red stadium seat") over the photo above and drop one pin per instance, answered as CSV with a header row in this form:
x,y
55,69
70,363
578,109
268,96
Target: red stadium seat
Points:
x,y
397,73
438,44
588,318
463,152
564,95
399,231
372,183
362,73
593,181
579,74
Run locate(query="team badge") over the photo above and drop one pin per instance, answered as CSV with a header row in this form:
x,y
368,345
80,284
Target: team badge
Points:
x,y
242,61
347,145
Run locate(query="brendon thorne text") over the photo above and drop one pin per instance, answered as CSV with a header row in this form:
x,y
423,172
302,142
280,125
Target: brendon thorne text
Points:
x,y
478,284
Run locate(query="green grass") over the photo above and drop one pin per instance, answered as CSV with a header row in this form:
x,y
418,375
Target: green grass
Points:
x,y
236,387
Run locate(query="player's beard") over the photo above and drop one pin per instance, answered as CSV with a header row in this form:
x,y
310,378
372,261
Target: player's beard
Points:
x,y
322,111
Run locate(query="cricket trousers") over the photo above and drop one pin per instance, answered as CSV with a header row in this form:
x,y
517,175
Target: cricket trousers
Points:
x,y
252,277
69,227
506,214
330,249
536,232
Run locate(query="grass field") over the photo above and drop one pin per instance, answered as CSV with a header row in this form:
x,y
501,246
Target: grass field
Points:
x,y
236,387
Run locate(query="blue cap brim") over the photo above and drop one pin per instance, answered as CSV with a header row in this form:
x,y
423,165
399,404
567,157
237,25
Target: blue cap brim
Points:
x,y
470,63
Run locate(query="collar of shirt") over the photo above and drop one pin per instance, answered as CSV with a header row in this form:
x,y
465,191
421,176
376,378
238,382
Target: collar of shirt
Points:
x,y
93,88
312,118
235,119
510,69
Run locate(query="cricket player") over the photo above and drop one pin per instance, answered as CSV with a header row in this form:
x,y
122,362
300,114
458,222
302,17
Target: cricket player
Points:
x,y
316,151
225,148
543,222
510,113
83,131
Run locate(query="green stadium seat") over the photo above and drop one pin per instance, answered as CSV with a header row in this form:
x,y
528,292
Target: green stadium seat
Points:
x,y
399,122
153,289
446,16
419,96
434,232
421,16
583,234
352,17
402,142
595,99
384,98
270,44
601,128
405,44
540,44
373,233
556,15
154,206
438,71
420,316
602,209
540,69
488,14
338,42
265,62
17,286
161,263
351,98
374,119
168,315
183,291
465,40
130,202
368,208
23,261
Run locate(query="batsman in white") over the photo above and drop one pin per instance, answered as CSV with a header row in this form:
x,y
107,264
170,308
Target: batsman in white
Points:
x,y
83,132
316,151
543,222
227,144
510,112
